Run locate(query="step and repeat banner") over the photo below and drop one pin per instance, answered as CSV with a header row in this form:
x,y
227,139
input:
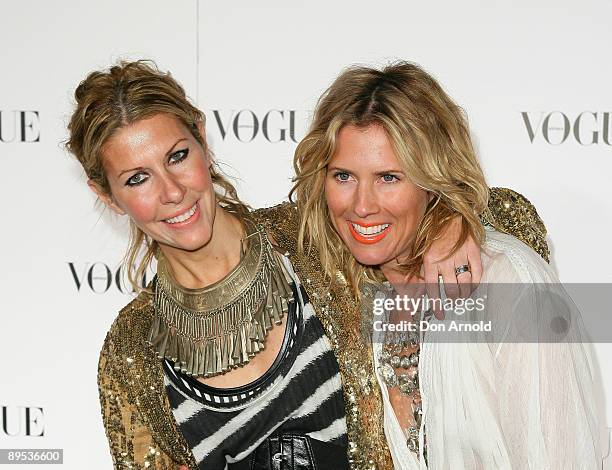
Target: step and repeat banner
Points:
x,y
533,78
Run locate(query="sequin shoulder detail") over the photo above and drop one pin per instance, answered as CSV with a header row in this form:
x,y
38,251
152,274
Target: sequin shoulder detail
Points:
x,y
511,213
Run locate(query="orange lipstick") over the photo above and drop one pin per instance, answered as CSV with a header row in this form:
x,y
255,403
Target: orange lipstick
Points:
x,y
368,239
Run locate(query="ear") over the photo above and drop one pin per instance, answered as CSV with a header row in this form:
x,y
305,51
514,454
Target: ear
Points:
x,y
106,198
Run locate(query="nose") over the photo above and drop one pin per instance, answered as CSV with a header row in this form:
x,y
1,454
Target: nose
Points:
x,y
366,201
172,191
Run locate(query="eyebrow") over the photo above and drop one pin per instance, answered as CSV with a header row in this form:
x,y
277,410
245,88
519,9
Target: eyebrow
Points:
x,y
337,168
168,152
378,173
387,172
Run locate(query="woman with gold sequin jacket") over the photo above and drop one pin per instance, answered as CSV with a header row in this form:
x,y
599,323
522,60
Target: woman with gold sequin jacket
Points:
x,y
387,162
222,360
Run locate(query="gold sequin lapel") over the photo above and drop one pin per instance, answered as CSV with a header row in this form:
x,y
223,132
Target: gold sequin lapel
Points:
x,y
339,312
130,367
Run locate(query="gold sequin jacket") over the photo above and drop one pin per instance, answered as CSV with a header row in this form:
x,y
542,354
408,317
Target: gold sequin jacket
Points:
x,y
137,417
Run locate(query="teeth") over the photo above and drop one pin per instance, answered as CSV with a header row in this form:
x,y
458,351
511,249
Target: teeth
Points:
x,y
183,217
373,230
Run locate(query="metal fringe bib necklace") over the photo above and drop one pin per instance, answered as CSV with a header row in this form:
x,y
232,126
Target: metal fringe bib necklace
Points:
x,y
211,330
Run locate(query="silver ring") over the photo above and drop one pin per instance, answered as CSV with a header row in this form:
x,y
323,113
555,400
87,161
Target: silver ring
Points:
x,y
464,268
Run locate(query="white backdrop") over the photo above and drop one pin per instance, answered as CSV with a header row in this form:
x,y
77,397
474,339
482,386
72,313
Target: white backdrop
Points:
x,y
533,78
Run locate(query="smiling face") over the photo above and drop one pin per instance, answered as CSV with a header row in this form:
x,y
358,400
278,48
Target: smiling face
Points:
x,y
159,175
373,206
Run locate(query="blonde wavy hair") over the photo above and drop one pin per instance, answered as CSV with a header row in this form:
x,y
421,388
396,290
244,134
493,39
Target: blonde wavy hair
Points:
x,y
431,140
110,99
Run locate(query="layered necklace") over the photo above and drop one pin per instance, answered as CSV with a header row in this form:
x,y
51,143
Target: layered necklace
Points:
x,y
208,331
399,368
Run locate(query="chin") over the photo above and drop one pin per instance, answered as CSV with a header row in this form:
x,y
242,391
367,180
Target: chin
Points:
x,y
187,245
195,245
371,262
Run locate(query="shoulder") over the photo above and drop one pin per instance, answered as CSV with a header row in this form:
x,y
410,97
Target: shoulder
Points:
x,y
285,212
127,331
282,222
511,213
508,259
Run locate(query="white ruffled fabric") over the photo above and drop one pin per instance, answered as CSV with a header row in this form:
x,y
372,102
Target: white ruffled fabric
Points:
x,y
503,405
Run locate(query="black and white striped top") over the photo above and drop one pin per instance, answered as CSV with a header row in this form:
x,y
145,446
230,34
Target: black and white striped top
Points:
x,y
301,394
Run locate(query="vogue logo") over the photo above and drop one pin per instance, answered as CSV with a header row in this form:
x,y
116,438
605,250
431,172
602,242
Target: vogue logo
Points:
x,y
19,126
23,421
246,125
99,278
555,128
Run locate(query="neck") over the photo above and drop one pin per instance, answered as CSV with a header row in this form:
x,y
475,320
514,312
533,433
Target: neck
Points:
x,y
392,272
394,276
213,261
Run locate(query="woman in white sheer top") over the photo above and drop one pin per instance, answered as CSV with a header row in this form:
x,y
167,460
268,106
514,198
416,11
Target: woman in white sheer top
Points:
x,y
387,162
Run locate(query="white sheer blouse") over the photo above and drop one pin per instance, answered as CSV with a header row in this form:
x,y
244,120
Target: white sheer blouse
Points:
x,y
503,404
